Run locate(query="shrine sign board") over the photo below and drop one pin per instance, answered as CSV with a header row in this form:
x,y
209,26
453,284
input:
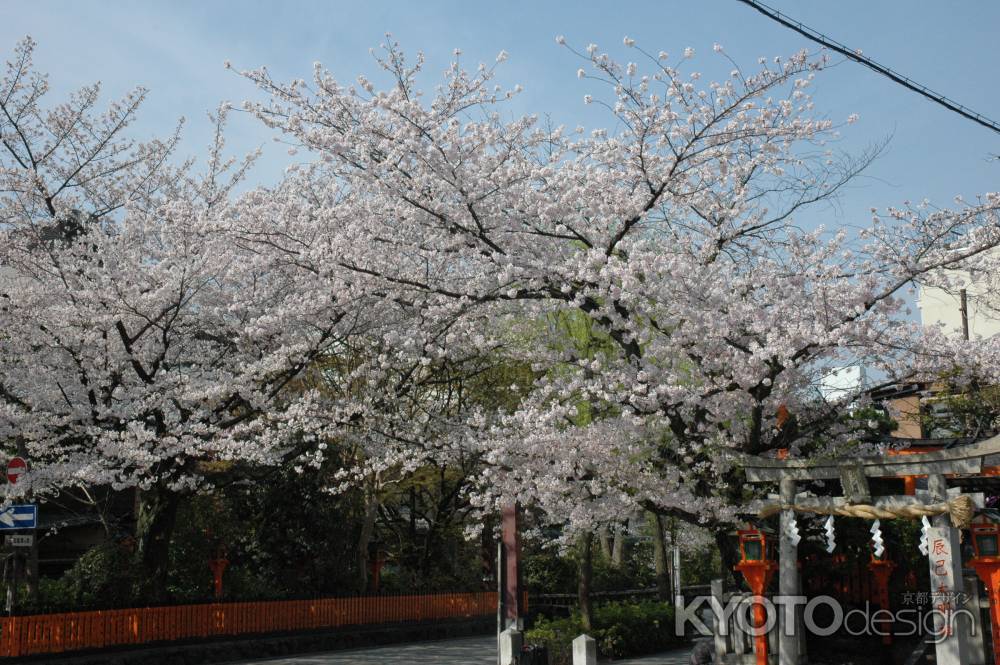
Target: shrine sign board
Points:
x,y
944,557
19,540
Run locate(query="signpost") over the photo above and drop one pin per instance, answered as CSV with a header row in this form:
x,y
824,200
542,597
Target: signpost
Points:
x,y
16,467
18,517
23,516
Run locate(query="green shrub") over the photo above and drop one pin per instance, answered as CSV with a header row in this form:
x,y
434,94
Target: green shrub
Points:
x,y
545,571
101,577
620,629
556,635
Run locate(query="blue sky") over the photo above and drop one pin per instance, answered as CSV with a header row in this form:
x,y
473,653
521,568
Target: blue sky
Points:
x,y
177,50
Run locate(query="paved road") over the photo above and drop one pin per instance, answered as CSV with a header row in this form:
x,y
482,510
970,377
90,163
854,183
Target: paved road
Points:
x,y
465,651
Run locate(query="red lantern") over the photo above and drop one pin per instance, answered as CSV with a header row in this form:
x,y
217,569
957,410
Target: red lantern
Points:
x,y
218,566
758,566
881,568
985,539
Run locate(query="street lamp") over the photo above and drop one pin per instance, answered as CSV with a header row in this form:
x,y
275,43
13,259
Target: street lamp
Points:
x,y
985,537
756,545
757,563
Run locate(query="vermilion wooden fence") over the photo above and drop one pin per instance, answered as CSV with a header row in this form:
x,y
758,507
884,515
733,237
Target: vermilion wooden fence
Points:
x,y
72,631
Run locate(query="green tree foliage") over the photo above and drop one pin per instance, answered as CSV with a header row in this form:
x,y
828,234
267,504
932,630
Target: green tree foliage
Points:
x,y
285,536
958,410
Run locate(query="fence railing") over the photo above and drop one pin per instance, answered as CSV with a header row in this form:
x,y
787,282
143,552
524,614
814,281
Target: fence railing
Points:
x,y
540,602
566,601
73,631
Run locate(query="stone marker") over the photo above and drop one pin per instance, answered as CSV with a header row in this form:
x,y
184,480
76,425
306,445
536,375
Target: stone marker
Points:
x,y
584,650
511,641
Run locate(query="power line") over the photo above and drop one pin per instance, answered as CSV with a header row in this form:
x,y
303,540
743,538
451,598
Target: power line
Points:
x,y
856,56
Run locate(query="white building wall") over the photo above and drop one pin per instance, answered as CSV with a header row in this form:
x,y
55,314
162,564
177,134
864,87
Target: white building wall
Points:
x,y
843,382
940,305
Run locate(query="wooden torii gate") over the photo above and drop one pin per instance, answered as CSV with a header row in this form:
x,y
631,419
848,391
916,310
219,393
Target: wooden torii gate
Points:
x,y
949,515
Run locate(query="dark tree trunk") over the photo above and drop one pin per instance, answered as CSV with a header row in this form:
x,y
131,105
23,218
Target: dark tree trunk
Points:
x,y
488,555
660,557
586,572
618,549
362,554
156,515
605,538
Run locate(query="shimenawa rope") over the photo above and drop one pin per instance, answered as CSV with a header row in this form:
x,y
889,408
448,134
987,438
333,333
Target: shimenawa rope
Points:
x,y
960,510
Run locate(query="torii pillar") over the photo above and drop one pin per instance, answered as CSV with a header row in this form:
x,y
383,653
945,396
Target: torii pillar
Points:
x,y
945,561
788,580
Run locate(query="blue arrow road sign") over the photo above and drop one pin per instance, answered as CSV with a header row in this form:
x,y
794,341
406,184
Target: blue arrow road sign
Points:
x,y
19,517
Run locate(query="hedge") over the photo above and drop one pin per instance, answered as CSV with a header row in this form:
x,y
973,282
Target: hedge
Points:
x,y
621,629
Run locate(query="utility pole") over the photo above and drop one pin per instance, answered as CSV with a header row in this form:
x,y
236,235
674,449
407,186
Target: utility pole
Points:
x,y
501,586
964,307
677,570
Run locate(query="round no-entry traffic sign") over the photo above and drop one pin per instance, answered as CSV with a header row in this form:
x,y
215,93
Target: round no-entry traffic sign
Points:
x,y
15,468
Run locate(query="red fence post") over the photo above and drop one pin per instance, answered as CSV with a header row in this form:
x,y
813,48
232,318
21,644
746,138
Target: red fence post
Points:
x,y
11,638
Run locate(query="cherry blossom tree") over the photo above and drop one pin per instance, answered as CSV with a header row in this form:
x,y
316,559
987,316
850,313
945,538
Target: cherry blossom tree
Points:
x,y
150,338
684,235
659,288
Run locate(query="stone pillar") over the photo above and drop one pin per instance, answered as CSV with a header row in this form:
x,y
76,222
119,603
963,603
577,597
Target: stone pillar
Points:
x,y
788,573
511,641
676,565
719,627
937,491
584,650
945,561
976,647
800,622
